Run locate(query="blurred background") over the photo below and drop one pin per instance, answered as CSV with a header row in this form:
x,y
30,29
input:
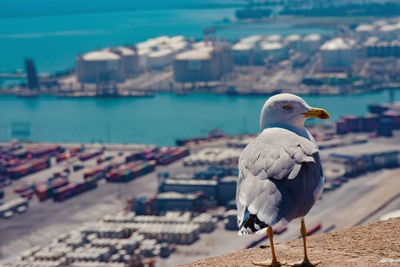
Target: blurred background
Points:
x,y
122,122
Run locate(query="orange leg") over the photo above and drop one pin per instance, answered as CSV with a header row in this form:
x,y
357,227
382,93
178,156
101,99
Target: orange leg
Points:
x,y
306,262
274,262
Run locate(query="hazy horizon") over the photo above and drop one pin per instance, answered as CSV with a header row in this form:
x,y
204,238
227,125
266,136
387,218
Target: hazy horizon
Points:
x,y
28,7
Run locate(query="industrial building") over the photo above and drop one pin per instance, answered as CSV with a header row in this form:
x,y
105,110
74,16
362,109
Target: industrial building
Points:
x,y
209,187
382,49
337,54
383,123
203,63
293,41
242,53
185,194
142,58
272,50
311,42
159,59
273,38
99,66
359,159
174,201
246,51
364,31
253,50
389,32
227,189
157,53
129,59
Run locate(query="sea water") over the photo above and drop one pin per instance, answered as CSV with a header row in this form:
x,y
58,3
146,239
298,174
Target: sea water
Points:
x,y
157,120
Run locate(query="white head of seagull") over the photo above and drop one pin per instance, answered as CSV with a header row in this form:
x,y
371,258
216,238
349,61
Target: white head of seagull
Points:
x,y
288,111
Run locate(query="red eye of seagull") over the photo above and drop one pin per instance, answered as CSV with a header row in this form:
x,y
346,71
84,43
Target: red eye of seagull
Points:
x,y
287,107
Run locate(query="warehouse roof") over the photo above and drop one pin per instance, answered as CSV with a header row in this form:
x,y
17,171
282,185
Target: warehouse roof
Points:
x,y
100,56
190,182
229,179
364,149
176,195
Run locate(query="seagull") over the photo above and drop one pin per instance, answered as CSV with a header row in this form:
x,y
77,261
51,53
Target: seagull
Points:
x,y
280,173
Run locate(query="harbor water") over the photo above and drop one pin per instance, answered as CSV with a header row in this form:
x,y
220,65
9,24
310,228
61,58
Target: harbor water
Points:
x,y
157,120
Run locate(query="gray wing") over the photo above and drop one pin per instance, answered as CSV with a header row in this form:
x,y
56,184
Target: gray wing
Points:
x,y
274,171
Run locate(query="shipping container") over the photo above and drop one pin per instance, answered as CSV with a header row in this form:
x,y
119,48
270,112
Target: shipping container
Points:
x,y
90,155
45,190
128,171
48,151
71,190
29,167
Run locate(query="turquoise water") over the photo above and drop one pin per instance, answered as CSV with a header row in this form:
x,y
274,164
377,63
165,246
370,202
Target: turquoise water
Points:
x,y
54,41
159,120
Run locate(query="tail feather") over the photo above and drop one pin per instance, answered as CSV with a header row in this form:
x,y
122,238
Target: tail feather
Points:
x,y
252,225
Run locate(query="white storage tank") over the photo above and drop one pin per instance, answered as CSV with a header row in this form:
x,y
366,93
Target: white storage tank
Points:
x,y
273,38
159,59
274,49
129,59
364,31
242,53
142,58
311,42
293,40
338,54
253,39
178,46
389,32
99,66
177,39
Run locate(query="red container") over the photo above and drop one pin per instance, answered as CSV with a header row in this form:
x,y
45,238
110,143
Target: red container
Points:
x,y
63,192
94,171
342,127
394,117
90,155
38,152
74,151
45,190
370,122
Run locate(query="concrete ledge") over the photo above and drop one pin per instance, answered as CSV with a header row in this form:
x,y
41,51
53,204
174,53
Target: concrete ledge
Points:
x,y
376,244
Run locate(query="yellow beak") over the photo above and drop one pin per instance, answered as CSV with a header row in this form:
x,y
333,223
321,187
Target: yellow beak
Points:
x,y
317,113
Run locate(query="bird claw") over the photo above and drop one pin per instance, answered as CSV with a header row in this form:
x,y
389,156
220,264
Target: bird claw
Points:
x,y
269,263
305,263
